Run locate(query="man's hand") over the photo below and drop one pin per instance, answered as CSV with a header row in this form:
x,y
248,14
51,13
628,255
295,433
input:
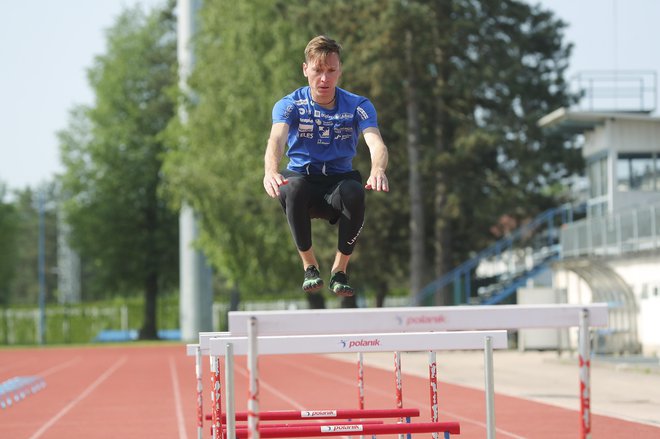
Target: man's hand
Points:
x,y
377,181
272,183
274,151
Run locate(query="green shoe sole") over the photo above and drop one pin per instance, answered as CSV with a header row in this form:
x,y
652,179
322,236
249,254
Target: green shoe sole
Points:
x,y
312,285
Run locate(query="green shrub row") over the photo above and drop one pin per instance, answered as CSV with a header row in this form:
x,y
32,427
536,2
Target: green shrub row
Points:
x,y
81,323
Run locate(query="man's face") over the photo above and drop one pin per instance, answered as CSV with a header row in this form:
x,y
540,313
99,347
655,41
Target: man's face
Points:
x,y
323,77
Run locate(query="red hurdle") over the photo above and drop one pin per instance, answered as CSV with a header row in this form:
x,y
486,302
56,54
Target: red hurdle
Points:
x,y
365,429
315,424
290,415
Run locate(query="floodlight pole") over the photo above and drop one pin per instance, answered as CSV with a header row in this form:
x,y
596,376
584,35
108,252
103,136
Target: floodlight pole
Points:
x,y
195,296
42,267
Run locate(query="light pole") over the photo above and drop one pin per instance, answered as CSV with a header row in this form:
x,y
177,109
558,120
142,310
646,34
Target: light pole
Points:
x,y
42,267
195,296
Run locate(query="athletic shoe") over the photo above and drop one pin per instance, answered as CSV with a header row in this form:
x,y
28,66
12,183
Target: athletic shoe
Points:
x,y
313,281
339,284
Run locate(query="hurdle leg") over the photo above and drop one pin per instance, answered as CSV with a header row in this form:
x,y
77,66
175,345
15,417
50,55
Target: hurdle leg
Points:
x,y
399,386
253,373
490,388
433,388
229,391
360,377
200,390
216,398
584,350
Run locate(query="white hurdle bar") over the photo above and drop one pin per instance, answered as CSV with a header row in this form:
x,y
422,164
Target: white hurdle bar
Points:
x,y
416,319
341,343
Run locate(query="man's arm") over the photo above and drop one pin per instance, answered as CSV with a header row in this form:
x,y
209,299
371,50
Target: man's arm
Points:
x,y
274,152
377,179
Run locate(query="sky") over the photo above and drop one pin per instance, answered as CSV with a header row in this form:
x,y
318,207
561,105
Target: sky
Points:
x,y
46,48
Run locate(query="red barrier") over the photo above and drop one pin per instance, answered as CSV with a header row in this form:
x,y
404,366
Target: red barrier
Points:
x,y
288,415
362,429
310,424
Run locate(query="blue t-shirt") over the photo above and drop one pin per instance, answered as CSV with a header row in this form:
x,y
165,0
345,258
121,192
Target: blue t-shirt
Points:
x,y
323,141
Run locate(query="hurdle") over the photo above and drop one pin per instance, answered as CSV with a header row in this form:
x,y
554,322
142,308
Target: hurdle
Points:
x,y
337,343
416,319
443,318
243,430
342,430
18,388
455,318
287,415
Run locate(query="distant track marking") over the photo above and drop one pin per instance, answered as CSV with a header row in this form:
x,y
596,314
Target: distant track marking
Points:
x,y
79,398
177,401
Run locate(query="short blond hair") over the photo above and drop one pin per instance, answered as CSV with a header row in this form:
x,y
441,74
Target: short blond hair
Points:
x,y
320,47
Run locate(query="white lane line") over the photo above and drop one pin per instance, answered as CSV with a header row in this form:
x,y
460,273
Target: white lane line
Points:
x,y
79,398
177,400
57,368
279,394
386,394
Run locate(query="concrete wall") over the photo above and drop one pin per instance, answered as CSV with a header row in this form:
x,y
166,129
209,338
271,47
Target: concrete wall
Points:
x,y
643,276
649,325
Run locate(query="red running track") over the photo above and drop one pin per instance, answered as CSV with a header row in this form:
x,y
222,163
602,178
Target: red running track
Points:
x,y
141,392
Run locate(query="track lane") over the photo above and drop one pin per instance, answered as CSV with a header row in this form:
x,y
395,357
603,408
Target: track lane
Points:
x,y
139,398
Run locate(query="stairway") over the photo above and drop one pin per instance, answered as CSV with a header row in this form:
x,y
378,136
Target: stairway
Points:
x,y
495,273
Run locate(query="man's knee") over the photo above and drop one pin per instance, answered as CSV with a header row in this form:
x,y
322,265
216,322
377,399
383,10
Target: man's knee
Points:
x,y
296,190
352,194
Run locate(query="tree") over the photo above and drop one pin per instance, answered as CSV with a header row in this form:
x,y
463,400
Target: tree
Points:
x,y
216,159
501,67
458,85
472,79
19,237
8,242
112,151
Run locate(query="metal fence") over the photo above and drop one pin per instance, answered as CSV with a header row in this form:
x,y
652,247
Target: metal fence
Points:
x,y
622,232
83,323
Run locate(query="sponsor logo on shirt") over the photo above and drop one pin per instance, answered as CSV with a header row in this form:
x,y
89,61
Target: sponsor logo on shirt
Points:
x,y
363,114
324,132
306,130
288,111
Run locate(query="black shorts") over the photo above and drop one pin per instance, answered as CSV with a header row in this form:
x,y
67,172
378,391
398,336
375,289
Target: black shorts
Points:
x,y
323,189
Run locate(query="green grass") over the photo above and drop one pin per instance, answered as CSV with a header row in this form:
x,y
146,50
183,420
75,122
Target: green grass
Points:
x,y
81,323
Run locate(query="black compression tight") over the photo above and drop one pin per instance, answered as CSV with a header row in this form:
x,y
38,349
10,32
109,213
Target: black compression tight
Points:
x,y
336,198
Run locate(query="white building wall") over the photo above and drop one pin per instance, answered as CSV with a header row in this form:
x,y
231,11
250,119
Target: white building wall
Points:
x,y
649,325
596,141
635,136
623,136
643,276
